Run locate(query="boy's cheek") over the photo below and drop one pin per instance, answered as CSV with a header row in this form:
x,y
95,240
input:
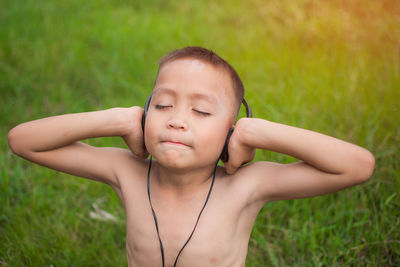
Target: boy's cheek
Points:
x,y
149,139
213,143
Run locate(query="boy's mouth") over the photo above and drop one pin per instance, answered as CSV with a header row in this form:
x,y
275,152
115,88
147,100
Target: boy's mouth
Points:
x,y
174,143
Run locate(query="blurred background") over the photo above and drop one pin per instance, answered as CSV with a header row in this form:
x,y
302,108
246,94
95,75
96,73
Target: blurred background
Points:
x,y
327,66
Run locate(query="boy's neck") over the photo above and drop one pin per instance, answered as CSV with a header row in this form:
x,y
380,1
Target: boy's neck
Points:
x,y
184,181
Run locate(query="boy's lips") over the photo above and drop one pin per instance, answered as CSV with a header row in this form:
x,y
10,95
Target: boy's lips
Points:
x,y
176,143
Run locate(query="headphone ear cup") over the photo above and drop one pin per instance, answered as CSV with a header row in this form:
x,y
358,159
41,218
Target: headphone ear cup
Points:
x,y
146,108
224,155
144,120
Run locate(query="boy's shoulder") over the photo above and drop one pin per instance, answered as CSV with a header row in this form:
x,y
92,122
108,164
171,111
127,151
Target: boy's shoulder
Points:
x,y
130,172
249,180
129,166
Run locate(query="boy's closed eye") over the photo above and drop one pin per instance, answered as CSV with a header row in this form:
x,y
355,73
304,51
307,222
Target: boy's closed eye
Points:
x,y
162,106
200,112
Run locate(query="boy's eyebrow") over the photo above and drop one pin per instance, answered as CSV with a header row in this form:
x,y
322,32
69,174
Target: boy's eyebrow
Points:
x,y
208,98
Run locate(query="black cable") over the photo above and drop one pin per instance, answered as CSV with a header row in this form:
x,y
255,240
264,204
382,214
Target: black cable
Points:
x,y
155,217
154,214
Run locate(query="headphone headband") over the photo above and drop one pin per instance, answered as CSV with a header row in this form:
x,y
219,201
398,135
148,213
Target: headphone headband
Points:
x,y
146,106
248,109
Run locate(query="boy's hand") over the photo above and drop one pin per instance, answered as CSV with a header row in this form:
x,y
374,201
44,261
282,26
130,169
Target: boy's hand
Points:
x,y
134,134
239,152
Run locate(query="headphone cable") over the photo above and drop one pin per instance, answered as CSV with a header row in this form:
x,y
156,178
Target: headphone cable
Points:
x,y
155,217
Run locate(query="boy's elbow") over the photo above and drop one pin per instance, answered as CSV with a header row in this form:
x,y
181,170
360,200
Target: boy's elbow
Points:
x,y
13,141
365,167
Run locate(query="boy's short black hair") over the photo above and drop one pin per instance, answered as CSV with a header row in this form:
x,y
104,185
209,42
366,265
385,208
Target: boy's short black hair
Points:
x,y
210,57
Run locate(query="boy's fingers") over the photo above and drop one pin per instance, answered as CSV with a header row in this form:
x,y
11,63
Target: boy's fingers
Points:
x,y
136,145
144,154
230,169
141,152
234,163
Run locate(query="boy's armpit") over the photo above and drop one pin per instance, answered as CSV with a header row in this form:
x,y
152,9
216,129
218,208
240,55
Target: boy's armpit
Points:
x,y
271,181
83,160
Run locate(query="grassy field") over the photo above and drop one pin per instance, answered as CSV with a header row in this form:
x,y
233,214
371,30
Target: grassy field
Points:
x,y
328,66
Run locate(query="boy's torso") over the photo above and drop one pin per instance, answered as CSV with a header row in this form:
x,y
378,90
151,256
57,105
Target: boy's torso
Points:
x,y
222,234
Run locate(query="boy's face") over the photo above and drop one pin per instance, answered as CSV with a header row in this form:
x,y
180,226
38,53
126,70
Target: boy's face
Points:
x,y
190,114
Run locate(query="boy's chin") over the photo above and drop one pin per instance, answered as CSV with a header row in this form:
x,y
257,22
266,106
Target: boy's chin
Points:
x,y
172,159
176,161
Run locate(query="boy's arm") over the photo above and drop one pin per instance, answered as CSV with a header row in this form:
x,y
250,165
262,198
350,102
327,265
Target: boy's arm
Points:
x,y
54,141
327,164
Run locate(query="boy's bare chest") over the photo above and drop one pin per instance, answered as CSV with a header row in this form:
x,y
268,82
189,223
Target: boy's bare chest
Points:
x,y
211,244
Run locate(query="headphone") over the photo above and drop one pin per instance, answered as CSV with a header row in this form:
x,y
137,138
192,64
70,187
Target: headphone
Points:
x,y
224,155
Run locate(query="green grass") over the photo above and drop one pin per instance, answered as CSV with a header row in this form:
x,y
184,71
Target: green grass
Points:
x,y
328,66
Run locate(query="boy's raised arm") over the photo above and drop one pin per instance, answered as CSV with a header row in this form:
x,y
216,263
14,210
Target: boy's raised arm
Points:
x,y
327,163
54,141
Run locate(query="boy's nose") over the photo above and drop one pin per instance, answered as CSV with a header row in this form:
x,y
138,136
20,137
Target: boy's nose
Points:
x,y
178,118
177,123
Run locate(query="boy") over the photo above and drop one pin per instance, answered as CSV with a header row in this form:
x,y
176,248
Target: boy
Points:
x,y
189,211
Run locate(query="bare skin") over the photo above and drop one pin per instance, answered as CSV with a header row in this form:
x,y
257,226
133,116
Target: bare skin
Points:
x,y
189,117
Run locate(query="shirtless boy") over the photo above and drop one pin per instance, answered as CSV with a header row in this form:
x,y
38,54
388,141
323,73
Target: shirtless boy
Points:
x,y
194,104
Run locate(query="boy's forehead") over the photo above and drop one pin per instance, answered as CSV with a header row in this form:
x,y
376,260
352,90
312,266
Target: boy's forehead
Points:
x,y
191,73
